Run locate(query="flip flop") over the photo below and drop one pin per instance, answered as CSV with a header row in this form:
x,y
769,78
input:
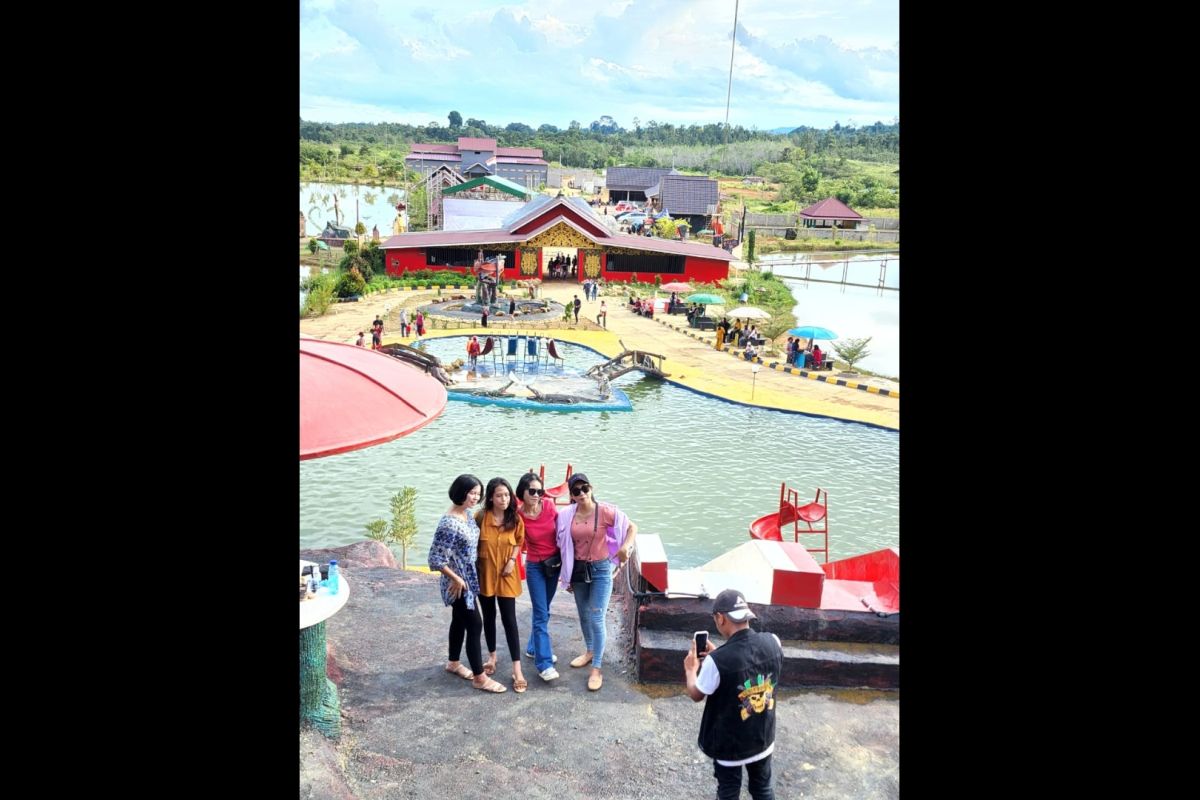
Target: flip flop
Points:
x,y
520,685
492,686
462,672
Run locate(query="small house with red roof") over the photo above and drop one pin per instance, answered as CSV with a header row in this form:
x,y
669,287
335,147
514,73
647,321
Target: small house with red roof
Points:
x,y
566,226
830,213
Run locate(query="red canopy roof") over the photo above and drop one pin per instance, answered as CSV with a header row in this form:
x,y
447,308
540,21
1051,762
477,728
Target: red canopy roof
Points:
x,y
352,397
830,208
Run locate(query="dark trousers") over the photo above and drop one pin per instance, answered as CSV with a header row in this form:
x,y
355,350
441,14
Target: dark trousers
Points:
x,y
466,622
508,615
729,780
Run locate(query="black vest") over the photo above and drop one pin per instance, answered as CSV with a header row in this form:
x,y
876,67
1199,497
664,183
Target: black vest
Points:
x,y
739,717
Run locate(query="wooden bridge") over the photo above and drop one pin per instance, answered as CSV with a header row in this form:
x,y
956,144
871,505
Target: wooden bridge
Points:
x,y
629,360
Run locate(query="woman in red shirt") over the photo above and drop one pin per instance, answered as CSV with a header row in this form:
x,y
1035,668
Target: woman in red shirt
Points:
x,y
542,566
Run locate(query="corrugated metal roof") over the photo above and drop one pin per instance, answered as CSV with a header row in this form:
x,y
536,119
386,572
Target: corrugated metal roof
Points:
x,y
655,245
830,208
687,194
449,238
637,179
432,157
530,152
466,143
475,215
434,148
518,160
495,181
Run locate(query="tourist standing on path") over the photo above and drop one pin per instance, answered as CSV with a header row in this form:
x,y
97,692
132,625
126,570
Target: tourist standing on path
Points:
x,y
361,342
738,682
404,326
453,552
577,305
376,333
593,537
420,320
602,317
501,539
542,566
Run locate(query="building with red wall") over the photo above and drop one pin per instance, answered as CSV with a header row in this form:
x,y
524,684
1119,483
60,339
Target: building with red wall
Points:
x,y
564,224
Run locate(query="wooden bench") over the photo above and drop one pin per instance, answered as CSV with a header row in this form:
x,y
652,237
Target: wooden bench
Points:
x,y
705,324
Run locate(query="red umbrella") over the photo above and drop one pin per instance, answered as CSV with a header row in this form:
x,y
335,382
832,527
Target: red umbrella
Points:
x,y
352,397
676,287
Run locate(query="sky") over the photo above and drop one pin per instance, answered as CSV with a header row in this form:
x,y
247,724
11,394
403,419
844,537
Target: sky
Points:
x,y
796,62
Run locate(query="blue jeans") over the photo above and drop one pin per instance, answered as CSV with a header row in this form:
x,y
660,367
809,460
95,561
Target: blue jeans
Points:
x,y
591,601
542,584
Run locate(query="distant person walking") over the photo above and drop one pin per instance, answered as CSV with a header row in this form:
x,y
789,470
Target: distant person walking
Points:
x,y
577,305
420,320
602,317
404,325
376,333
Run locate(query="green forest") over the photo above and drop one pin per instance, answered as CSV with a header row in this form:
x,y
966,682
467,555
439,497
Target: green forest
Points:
x,y
858,165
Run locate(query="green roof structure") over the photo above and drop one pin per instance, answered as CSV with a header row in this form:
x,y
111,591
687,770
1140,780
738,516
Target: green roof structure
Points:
x,y
500,184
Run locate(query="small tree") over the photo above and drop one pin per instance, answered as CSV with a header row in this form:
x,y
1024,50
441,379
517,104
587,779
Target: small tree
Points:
x,y
404,521
360,228
750,237
852,350
403,528
312,246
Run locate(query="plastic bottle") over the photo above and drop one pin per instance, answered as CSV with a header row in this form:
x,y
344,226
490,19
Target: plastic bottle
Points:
x,y
333,577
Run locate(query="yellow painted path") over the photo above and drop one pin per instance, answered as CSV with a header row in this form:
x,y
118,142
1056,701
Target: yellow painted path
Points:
x,y
690,362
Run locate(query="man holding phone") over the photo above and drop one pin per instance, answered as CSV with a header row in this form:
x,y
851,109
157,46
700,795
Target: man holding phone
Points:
x,y
739,681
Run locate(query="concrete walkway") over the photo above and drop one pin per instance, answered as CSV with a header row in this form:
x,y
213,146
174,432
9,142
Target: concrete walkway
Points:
x,y
692,361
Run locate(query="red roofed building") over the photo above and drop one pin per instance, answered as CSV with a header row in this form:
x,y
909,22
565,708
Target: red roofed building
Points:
x,y
566,225
830,213
475,158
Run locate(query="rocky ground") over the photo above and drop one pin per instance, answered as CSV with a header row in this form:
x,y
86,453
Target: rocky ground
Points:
x,y
410,730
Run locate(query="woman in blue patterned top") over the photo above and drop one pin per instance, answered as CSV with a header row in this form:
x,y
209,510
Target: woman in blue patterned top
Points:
x,y
454,551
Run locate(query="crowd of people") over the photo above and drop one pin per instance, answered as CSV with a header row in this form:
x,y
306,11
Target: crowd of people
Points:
x,y
580,548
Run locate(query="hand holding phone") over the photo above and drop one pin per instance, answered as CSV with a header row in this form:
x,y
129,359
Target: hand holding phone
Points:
x,y
701,644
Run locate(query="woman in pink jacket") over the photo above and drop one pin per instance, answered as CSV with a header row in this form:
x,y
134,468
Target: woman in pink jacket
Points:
x,y
595,540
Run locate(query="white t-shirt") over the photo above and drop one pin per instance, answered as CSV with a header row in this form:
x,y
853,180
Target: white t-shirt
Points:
x,y
707,681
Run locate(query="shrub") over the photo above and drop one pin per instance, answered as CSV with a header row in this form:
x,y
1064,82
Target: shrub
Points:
x,y
350,283
321,291
350,247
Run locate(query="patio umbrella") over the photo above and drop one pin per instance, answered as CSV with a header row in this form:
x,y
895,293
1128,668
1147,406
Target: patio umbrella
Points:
x,y
705,299
352,397
812,332
676,286
748,312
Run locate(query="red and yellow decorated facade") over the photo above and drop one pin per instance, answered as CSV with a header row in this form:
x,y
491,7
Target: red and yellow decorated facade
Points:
x,y
559,223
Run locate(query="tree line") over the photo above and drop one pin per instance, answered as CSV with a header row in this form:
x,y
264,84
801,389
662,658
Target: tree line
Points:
x,y
809,163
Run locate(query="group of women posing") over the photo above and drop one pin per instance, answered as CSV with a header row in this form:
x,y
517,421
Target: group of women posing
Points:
x,y
580,547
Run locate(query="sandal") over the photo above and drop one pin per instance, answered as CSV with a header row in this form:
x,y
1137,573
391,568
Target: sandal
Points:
x,y
489,668
490,685
520,685
462,672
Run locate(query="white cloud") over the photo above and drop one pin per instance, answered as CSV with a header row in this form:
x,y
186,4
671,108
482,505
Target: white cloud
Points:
x,y
557,60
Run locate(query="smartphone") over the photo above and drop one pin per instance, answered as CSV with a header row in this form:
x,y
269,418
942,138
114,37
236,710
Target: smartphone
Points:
x,y
701,644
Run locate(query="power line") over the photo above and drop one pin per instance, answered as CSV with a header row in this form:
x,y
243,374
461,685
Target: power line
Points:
x,y
729,90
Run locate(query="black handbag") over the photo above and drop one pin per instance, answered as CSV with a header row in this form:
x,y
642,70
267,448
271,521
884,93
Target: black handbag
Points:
x,y
553,562
582,572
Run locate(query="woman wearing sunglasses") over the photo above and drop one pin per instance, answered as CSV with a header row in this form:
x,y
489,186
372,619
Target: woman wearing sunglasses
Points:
x,y
596,540
541,566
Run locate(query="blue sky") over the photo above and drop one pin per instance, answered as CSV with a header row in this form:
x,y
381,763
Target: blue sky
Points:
x,y
797,62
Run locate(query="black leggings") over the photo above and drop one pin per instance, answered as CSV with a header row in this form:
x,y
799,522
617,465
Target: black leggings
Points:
x,y
466,622
508,615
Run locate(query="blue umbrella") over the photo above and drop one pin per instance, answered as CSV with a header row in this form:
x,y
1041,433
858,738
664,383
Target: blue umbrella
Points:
x,y
812,332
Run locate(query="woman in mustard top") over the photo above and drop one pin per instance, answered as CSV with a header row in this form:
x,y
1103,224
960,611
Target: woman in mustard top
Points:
x,y
501,536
